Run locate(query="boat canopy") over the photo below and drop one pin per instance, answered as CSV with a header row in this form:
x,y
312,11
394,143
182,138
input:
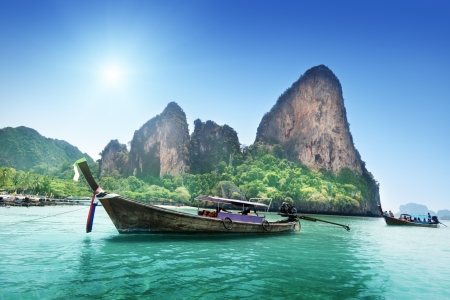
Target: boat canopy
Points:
x,y
414,215
230,201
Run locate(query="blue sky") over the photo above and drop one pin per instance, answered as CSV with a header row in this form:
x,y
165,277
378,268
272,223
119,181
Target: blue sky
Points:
x,y
91,71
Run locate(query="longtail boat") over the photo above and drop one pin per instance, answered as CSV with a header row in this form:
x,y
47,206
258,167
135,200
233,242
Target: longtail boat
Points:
x,y
130,216
408,220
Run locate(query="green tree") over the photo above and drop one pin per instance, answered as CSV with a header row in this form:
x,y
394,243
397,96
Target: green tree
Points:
x,y
271,179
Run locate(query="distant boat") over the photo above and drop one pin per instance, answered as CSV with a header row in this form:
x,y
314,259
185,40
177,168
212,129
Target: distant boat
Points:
x,y
130,216
6,200
408,220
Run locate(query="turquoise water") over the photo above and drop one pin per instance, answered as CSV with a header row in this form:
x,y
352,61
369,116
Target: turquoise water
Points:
x,y
46,254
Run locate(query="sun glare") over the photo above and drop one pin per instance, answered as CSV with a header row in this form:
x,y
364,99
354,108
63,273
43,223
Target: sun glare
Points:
x,y
113,75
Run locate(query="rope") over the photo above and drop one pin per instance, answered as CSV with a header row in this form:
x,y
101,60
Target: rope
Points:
x,y
46,216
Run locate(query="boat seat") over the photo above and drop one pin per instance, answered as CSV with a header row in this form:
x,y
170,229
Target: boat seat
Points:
x,y
241,218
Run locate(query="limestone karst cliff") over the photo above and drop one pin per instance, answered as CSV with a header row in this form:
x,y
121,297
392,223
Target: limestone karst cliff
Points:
x,y
160,146
210,145
310,122
114,159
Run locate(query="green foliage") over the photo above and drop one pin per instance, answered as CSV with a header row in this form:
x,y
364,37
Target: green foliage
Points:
x,y
278,151
265,174
262,172
25,149
228,189
13,180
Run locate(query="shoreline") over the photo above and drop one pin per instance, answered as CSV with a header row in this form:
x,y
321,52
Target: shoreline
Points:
x,y
173,207
27,201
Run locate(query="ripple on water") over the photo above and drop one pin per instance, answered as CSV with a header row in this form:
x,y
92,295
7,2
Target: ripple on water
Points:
x,y
53,258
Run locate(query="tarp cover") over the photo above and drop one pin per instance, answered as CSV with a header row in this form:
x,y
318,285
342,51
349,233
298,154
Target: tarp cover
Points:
x,y
230,201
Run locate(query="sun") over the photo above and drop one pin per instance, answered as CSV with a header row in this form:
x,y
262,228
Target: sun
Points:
x,y
113,75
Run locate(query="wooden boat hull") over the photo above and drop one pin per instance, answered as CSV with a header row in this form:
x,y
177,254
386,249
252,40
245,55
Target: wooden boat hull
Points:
x,y
394,221
130,216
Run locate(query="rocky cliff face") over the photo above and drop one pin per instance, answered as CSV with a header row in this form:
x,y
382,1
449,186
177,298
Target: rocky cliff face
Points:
x,y
160,146
413,208
114,159
310,122
211,144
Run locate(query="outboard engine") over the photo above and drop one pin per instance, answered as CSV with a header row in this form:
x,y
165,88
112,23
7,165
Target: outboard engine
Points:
x,y
287,209
434,219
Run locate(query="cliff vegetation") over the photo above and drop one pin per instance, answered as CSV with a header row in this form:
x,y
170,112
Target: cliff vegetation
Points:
x,y
25,149
303,154
58,184
262,172
210,144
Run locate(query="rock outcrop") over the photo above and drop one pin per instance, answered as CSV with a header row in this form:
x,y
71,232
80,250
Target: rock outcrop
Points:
x,y
443,214
160,146
114,159
414,208
310,122
210,145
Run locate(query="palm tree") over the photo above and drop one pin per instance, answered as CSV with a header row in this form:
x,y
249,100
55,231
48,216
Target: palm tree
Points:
x,y
36,182
25,181
5,174
16,179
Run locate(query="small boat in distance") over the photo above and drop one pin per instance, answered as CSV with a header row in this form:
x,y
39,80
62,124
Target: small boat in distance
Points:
x,y
408,220
130,216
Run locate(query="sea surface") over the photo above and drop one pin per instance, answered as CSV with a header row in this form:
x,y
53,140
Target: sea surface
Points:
x,y
46,254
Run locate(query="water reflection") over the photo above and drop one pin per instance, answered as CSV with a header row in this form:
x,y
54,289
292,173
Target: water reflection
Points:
x,y
56,259
86,257
163,238
321,261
